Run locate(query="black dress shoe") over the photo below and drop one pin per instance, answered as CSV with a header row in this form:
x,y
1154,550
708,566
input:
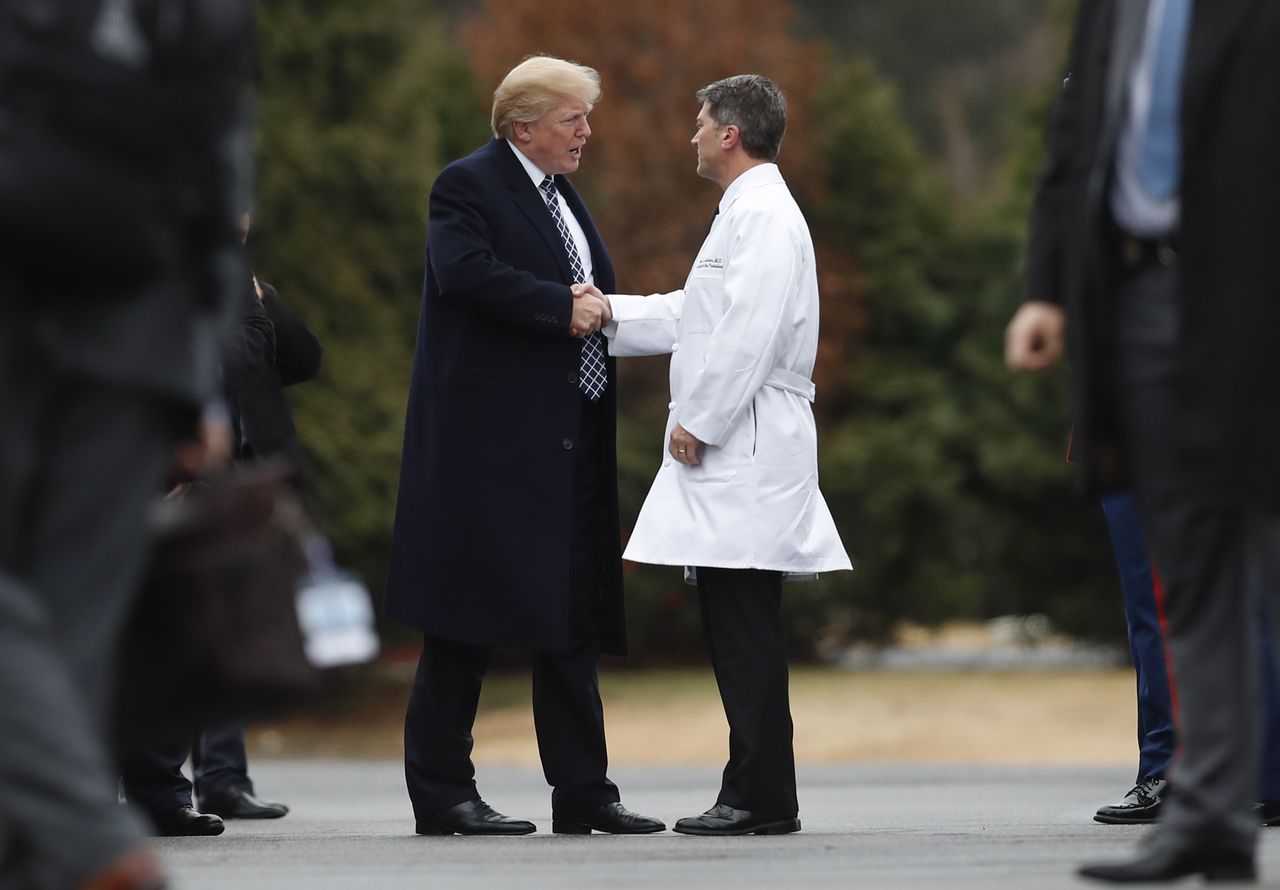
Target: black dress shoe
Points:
x,y
473,817
722,819
239,803
1268,813
611,818
1164,860
1141,804
186,822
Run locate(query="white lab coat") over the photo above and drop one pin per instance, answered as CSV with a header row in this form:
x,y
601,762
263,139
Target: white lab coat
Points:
x,y
743,335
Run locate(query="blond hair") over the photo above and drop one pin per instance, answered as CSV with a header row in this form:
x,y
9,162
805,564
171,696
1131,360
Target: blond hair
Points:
x,y
537,85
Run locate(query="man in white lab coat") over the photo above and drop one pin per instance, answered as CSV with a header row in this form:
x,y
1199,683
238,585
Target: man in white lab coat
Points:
x,y
736,499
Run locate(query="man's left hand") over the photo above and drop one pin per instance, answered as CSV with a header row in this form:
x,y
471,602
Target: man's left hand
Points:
x,y
685,447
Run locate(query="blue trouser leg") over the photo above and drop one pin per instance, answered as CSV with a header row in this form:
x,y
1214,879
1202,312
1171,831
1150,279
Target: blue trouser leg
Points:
x,y
1156,737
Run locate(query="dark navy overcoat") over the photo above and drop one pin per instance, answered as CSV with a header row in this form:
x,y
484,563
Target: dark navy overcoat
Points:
x,y
481,548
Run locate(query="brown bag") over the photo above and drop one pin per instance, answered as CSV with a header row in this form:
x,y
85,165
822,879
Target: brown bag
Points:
x,y
214,635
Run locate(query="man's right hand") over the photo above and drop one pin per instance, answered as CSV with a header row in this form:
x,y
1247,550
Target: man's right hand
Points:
x,y
590,311
1034,338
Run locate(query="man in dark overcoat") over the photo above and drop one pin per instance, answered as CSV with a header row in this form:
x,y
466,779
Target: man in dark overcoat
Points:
x,y
1153,248
506,531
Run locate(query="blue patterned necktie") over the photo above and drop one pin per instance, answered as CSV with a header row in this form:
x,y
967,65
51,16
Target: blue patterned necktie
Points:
x,y
1159,156
592,374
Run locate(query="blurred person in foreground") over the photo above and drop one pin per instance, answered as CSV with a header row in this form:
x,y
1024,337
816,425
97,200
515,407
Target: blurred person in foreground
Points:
x,y
506,530
1152,248
737,498
270,348
122,147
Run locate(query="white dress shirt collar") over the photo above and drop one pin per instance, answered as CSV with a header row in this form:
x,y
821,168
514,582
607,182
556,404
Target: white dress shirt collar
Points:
x,y
529,166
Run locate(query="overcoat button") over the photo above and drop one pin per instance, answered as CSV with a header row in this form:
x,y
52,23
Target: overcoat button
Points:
x,y
573,377
568,444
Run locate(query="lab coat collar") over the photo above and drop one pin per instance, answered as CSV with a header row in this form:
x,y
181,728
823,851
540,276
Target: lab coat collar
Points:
x,y
761,175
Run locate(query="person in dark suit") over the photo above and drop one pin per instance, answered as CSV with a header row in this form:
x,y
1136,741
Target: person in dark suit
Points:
x,y
112,298
1152,246
506,529
270,349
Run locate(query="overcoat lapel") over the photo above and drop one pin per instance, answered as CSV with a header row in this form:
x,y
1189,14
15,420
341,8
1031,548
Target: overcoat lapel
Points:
x,y
527,199
1130,18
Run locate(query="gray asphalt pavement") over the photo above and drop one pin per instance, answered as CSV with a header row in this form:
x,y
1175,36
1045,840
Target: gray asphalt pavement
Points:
x,y
865,826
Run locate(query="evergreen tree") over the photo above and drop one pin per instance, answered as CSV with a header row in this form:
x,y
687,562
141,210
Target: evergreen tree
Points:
x,y
360,105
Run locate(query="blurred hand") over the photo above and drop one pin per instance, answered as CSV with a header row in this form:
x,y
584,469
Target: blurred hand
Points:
x,y
1034,338
684,447
210,449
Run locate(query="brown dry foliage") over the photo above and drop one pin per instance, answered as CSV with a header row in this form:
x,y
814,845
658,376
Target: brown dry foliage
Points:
x,y
638,167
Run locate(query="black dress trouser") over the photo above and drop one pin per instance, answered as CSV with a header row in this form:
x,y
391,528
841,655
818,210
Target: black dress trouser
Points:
x,y
741,619
567,711
152,774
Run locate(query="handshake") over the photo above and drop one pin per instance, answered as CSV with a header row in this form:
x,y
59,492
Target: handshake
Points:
x,y
591,310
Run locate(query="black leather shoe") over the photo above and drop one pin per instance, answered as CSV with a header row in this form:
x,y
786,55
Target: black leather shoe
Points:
x,y
1165,860
473,817
1141,804
722,819
1268,813
186,822
611,818
238,803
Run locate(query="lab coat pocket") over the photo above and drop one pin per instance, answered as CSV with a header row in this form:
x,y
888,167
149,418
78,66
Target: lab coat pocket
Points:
x,y
737,455
786,436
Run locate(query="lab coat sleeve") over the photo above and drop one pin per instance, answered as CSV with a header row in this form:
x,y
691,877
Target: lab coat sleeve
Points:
x,y
643,325
760,274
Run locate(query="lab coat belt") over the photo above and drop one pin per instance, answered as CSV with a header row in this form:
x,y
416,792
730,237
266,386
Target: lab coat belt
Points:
x,y
791,382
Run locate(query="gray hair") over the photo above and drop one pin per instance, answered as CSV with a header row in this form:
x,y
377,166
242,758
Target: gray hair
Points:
x,y
755,105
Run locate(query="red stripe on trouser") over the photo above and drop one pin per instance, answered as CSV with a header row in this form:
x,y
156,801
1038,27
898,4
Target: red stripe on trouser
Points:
x,y
1157,587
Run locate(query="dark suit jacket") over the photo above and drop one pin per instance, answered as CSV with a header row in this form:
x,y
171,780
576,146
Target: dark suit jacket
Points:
x,y
271,348
480,552
1229,287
